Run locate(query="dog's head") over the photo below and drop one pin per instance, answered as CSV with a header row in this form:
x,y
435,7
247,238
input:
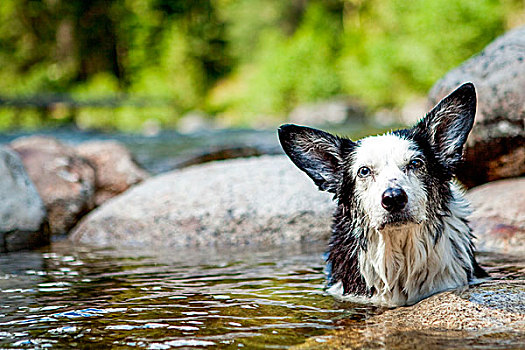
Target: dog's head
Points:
x,y
389,179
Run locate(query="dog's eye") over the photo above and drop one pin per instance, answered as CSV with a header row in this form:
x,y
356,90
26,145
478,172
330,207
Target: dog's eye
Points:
x,y
363,171
415,164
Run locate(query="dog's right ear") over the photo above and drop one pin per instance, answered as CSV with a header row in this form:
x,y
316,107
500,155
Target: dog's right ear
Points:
x,y
448,125
317,153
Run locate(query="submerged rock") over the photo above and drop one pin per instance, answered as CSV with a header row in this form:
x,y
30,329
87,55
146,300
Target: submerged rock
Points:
x,y
489,314
64,180
496,146
115,169
23,222
498,219
243,201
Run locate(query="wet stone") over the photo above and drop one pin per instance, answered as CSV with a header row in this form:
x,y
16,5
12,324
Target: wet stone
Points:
x,y
487,315
498,220
495,148
64,180
115,168
20,240
233,202
22,213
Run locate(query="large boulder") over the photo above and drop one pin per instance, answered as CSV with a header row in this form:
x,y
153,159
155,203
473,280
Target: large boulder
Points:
x,y
490,315
496,146
264,200
115,169
64,180
498,219
23,222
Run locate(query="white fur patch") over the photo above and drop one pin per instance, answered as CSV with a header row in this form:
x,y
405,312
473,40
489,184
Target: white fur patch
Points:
x,y
404,265
387,156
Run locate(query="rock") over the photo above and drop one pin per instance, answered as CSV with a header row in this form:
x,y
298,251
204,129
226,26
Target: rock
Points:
x,y
194,121
64,180
115,169
327,112
498,219
151,127
490,314
262,200
23,222
496,146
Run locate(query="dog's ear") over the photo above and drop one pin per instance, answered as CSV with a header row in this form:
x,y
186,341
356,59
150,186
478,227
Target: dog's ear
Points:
x,y
317,153
448,124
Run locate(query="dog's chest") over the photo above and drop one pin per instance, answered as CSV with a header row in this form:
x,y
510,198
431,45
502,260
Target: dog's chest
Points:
x,y
403,266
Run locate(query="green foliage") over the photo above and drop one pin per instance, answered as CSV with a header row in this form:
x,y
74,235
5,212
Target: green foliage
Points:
x,y
173,74
383,52
299,68
241,60
396,49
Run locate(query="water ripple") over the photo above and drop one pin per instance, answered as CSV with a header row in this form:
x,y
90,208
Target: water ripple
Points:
x,y
104,298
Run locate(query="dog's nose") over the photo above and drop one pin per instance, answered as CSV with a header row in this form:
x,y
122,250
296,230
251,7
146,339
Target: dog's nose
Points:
x,y
394,199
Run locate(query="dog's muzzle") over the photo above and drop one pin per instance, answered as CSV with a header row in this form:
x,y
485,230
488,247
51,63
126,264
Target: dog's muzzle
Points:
x,y
394,199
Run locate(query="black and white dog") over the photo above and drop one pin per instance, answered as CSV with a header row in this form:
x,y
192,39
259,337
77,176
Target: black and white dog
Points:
x,y
400,232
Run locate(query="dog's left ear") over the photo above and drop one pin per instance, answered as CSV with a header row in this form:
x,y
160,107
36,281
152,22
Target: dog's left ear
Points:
x,y
318,153
448,124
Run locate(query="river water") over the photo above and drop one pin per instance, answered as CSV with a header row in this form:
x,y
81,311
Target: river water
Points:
x,y
66,296
169,149
81,297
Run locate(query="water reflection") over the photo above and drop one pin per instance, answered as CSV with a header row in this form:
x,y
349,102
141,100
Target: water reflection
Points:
x,y
79,297
82,297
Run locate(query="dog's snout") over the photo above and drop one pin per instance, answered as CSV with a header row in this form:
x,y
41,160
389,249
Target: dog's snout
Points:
x,y
394,199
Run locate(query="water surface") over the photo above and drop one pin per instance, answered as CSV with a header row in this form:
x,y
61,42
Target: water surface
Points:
x,y
65,296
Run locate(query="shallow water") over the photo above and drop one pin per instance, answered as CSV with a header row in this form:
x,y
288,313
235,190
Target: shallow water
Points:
x,y
171,150
79,297
168,149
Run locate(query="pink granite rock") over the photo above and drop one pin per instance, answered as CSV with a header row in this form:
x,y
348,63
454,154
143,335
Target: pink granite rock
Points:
x,y
115,169
498,220
64,180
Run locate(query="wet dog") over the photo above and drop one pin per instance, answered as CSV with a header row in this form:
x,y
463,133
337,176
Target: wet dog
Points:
x,y
400,231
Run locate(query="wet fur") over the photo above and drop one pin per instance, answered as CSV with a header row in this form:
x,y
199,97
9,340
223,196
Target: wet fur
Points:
x,y
395,259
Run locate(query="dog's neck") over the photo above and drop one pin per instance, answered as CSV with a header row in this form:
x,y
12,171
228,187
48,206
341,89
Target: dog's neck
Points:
x,y
405,264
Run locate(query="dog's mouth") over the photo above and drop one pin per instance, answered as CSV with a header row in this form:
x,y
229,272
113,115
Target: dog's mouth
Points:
x,y
397,219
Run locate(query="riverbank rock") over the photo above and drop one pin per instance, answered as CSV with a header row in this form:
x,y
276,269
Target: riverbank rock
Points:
x,y
64,180
496,146
233,202
23,222
498,219
115,169
490,314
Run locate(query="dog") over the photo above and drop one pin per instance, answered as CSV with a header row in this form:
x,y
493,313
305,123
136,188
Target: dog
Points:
x,y
400,231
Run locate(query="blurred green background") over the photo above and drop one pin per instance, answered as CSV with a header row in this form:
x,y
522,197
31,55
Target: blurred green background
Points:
x,y
123,64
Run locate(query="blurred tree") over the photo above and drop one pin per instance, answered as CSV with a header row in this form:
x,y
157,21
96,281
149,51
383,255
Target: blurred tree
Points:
x,y
175,49
240,59
392,50
382,51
